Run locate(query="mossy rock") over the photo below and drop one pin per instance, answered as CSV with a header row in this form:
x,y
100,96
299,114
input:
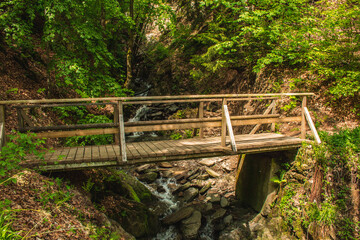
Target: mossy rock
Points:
x,y
133,216
115,182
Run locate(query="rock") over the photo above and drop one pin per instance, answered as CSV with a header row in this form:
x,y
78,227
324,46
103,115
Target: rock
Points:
x,y
182,187
148,177
142,168
235,234
178,215
193,176
190,226
203,176
173,108
209,207
190,194
151,170
191,172
133,216
205,188
208,162
213,197
165,165
219,213
167,174
117,230
228,220
212,173
266,209
224,202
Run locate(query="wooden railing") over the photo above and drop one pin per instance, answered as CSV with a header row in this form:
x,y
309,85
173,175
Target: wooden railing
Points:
x,y
119,127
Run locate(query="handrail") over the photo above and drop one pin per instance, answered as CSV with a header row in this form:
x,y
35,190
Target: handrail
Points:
x,y
312,126
149,98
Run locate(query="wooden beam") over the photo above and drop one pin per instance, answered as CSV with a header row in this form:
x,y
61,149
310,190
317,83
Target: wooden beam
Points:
x,y
65,105
2,126
201,115
303,120
149,98
20,119
267,111
122,132
26,118
273,112
116,121
311,125
230,129
223,124
164,127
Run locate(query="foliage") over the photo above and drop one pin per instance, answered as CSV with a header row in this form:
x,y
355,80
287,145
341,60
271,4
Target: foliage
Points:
x,y
15,151
339,160
6,233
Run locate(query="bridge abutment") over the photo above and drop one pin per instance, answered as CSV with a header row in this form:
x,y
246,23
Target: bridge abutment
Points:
x,y
254,174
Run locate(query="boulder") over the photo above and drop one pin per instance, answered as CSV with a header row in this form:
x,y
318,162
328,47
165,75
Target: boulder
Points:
x,y
208,162
178,215
224,202
133,216
190,226
165,165
190,194
219,213
212,173
142,168
148,177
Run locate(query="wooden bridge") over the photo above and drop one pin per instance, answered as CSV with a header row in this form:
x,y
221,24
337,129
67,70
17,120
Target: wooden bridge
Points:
x,y
126,153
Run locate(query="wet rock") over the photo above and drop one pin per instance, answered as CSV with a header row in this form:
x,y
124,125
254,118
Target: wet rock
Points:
x,y
191,172
148,177
178,215
118,230
166,174
213,197
208,162
165,165
219,213
142,168
228,220
190,226
224,202
205,188
182,187
212,173
266,209
203,176
190,194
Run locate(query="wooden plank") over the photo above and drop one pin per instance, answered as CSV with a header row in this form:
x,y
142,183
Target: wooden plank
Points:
x,y
65,127
273,112
64,105
103,153
147,149
230,129
183,147
303,120
87,154
72,154
142,152
173,149
312,126
122,132
223,124
267,111
80,154
95,153
155,148
110,99
111,152
20,119
132,149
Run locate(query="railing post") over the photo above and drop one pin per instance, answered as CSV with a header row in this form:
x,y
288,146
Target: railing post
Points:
x,y
116,120
303,120
2,126
223,124
273,112
201,115
20,118
122,132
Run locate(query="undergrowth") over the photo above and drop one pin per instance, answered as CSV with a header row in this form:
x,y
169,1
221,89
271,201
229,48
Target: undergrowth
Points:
x,y
334,211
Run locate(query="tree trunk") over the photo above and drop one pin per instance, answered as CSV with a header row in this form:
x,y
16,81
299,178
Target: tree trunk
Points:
x,y
130,50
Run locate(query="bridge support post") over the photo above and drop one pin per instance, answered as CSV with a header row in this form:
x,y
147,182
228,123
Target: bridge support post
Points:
x,y
201,115
122,132
273,111
255,171
223,124
116,120
2,126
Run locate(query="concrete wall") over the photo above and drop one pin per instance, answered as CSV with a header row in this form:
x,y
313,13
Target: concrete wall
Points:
x,y
253,182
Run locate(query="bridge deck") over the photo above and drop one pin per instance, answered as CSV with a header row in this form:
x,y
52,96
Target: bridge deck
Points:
x,y
157,151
